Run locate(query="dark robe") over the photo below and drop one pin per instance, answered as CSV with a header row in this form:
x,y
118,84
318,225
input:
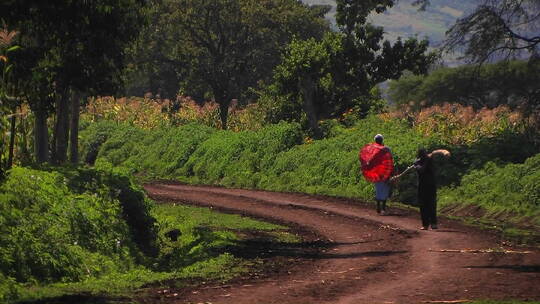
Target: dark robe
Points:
x,y
427,190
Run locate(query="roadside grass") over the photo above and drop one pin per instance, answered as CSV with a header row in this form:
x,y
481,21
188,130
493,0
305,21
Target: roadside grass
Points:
x,y
488,172
198,250
127,287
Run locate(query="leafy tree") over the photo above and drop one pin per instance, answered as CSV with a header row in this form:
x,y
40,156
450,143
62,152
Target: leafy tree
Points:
x,y
80,52
337,73
220,48
305,75
153,59
497,27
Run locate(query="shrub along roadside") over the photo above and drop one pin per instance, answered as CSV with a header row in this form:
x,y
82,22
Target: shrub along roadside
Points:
x,y
83,231
52,232
273,158
509,192
277,158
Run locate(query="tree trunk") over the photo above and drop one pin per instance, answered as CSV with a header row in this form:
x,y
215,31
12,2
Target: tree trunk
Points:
x,y
62,128
41,135
307,87
223,113
224,101
74,133
11,141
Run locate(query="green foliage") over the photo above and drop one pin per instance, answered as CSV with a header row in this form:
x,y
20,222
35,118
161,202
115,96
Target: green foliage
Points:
x,y
512,188
66,231
511,83
195,151
325,78
61,58
308,66
279,157
218,49
92,137
202,234
9,290
158,153
233,158
331,166
51,233
270,158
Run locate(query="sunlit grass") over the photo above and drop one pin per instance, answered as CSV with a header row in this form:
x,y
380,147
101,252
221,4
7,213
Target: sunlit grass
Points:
x,y
127,287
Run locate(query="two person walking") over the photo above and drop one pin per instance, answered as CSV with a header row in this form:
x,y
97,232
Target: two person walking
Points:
x,y
427,186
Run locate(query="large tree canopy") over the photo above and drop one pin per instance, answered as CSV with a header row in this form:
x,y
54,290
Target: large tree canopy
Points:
x,y
330,76
68,46
220,48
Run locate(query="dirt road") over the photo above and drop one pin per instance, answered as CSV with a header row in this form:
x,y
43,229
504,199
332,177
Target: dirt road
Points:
x,y
352,255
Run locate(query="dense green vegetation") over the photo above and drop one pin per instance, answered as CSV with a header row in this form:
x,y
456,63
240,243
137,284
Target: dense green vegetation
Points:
x,y
512,83
279,157
272,70
73,231
501,190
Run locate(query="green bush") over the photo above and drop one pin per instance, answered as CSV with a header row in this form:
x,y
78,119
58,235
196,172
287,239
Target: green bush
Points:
x,y
331,165
8,289
271,158
281,157
238,159
503,83
157,153
79,230
93,135
50,233
135,207
513,188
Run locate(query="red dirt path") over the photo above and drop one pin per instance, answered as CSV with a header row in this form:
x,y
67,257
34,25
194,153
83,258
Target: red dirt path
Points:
x,y
352,255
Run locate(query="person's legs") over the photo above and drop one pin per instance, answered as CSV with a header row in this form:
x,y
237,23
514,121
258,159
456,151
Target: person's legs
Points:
x,y
381,194
383,207
424,214
432,208
433,215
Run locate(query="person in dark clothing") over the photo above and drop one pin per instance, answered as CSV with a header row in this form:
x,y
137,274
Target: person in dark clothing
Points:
x,y
427,189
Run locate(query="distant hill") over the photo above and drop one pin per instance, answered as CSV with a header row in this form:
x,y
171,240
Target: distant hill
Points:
x,y
404,20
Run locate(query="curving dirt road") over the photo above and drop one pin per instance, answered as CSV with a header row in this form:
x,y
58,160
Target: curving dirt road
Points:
x,y
352,255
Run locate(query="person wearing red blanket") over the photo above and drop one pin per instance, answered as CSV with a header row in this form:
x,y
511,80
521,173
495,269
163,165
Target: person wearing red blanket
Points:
x,y
382,188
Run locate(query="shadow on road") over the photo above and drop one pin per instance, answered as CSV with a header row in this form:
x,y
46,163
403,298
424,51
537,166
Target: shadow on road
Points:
x,y
79,299
449,230
520,268
261,248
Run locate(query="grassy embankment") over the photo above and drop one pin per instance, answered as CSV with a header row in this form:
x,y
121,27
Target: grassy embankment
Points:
x,y
87,235
489,179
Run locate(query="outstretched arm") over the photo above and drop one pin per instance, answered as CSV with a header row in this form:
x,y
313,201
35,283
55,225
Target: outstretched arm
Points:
x,y
393,178
442,152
